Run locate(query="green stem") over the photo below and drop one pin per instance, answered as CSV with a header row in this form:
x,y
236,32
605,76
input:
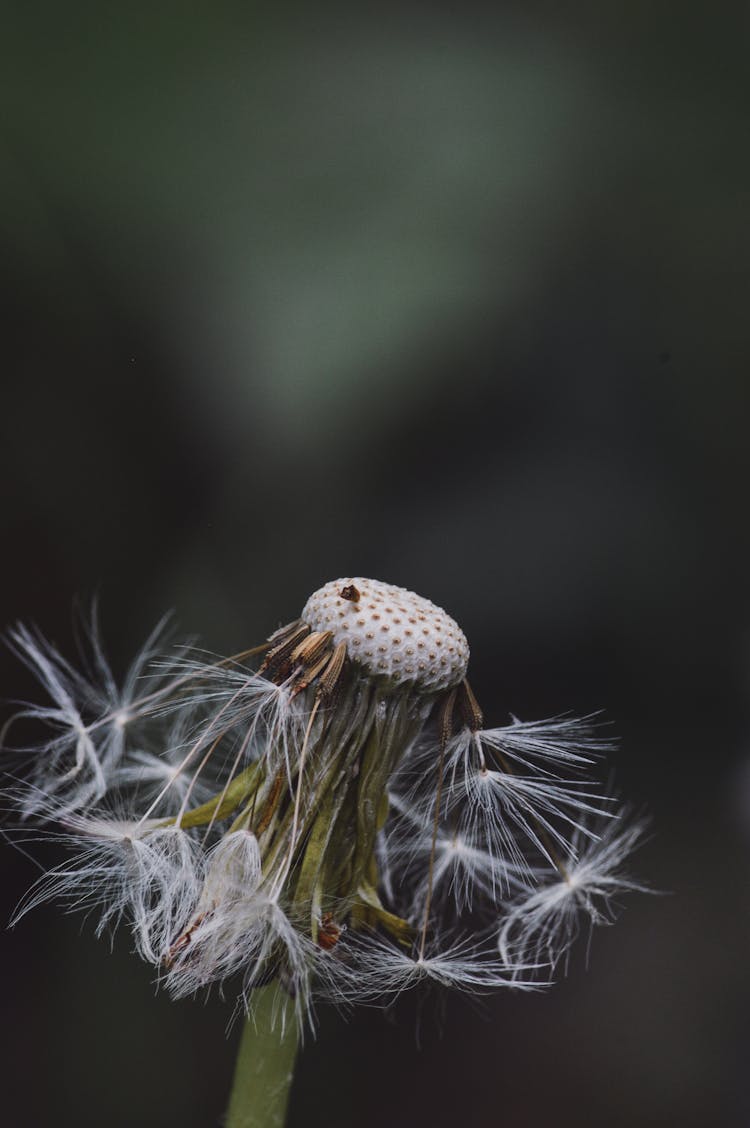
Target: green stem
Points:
x,y
265,1063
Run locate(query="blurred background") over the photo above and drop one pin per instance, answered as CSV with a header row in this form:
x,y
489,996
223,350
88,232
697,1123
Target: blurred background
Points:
x,y
454,299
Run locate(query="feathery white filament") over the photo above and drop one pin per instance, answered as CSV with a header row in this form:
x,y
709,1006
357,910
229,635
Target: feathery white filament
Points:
x,y
541,924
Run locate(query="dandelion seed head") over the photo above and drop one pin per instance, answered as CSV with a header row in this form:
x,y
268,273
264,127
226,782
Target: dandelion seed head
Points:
x,y
325,809
391,632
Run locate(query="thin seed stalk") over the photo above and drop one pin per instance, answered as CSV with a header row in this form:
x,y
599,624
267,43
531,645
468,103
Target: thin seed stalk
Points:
x,y
265,1063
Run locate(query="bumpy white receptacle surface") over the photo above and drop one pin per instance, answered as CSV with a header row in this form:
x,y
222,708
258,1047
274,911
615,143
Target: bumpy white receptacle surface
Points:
x,y
391,632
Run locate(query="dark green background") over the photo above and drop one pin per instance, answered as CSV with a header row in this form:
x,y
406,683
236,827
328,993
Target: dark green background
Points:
x,y
456,300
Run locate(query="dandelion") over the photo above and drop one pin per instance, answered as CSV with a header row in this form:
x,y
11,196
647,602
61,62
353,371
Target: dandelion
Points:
x,y
323,817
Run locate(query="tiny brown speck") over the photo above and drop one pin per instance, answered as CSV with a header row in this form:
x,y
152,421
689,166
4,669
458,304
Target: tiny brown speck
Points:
x,y
351,593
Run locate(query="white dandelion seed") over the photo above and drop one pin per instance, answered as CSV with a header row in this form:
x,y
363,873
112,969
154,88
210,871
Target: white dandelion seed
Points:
x,y
551,746
513,810
91,722
379,970
143,875
542,924
464,871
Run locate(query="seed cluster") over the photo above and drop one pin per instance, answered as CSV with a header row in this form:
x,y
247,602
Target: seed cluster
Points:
x,y
339,822
391,632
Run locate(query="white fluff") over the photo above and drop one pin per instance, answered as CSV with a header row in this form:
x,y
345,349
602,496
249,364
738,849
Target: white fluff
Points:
x,y
492,848
541,924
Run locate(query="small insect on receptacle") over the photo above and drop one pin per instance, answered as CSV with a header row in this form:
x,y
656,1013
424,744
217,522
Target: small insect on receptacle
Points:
x,y
351,593
328,932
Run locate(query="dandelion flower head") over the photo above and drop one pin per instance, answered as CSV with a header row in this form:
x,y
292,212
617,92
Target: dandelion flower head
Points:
x,y
326,810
